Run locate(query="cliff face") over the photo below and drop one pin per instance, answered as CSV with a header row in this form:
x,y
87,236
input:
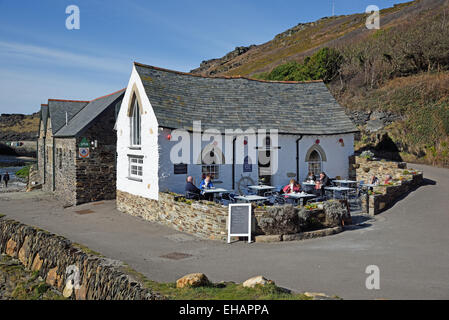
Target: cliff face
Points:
x,y
19,127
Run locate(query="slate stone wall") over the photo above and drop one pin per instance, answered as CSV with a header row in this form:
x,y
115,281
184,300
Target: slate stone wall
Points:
x,y
96,175
78,180
48,185
65,170
53,257
384,196
203,219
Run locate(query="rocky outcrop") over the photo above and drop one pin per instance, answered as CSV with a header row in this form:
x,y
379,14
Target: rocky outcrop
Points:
x,y
210,67
18,127
66,266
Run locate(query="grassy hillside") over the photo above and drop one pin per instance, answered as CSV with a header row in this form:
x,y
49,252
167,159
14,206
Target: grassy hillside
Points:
x,y
401,71
16,127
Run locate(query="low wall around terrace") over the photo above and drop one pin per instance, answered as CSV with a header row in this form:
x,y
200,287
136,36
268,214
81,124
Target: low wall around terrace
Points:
x,y
53,257
382,197
204,219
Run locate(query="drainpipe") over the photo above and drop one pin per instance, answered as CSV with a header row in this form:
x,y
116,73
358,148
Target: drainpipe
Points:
x,y
45,162
297,157
53,164
233,163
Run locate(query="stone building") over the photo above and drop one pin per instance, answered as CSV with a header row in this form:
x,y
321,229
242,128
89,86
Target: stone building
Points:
x,y
305,130
77,148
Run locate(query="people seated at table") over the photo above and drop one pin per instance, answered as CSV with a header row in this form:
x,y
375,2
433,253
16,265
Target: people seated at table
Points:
x,y
373,180
310,177
206,183
293,186
388,179
192,192
321,184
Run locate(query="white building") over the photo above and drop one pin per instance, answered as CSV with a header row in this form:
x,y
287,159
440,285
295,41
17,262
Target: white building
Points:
x,y
313,131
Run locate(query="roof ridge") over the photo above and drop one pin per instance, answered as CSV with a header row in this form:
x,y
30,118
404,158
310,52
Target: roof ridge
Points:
x,y
64,100
107,95
221,77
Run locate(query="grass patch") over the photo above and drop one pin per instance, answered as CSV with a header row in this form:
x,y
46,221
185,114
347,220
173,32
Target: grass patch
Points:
x,y
221,291
24,172
86,250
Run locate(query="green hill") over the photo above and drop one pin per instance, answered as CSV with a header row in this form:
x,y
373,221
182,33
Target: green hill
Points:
x,y
393,82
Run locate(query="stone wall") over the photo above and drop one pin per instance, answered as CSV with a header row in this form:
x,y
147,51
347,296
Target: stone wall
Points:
x,y
366,168
65,170
48,169
96,176
382,197
51,256
40,159
203,219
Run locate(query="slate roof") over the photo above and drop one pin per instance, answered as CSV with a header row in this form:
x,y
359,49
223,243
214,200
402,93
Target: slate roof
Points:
x,y
236,102
57,111
89,113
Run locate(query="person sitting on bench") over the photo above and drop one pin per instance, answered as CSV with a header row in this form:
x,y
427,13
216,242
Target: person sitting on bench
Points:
x,y
192,192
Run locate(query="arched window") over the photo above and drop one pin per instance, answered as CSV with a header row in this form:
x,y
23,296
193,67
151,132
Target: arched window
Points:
x,y
211,158
314,161
135,122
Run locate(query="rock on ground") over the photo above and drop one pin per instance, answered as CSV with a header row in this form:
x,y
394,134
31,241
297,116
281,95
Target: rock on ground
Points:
x,y
192,280
258,280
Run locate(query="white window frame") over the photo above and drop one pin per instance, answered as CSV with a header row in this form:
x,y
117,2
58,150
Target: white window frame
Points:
x,y
135,167
315,166
135,124
212,169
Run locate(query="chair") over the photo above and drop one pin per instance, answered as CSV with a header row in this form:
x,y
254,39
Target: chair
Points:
x,y
192,196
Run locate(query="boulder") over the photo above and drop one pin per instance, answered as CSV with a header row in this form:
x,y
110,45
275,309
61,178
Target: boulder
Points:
x,y
279,220
258,280
192,280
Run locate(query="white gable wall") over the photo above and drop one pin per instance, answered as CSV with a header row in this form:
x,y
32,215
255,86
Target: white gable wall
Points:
x,y
148,187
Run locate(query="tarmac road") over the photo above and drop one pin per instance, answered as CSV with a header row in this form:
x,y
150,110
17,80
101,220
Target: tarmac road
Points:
x,y
409,243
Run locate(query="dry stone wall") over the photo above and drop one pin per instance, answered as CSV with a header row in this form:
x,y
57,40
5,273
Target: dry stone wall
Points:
x,y
54,256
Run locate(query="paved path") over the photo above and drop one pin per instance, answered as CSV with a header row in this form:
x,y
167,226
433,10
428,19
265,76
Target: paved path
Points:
x,y
409,243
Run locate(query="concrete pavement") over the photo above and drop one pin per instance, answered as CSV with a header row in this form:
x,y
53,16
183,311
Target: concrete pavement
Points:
x,y
408,243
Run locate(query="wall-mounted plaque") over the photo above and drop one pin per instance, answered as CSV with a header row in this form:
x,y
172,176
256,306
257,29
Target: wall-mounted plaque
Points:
x,y
180,168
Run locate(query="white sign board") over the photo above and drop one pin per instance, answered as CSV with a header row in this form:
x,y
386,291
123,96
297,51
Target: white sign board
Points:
x,y
239,221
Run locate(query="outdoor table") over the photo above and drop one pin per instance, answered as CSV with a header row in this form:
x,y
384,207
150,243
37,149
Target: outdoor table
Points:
x,y
251,198
308,185
338,189
261,188
215,191
345,182
300,196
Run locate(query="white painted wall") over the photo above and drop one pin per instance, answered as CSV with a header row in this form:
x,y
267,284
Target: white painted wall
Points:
x,y
158,169
148,187
337,163
176,183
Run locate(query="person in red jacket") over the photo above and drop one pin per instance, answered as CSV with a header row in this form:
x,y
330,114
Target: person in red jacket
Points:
x,y
293,186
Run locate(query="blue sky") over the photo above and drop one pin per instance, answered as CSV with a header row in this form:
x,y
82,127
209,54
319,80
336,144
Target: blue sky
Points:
x,y
40,58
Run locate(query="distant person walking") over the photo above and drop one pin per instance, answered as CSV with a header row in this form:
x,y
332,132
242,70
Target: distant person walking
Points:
x,y
6,179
